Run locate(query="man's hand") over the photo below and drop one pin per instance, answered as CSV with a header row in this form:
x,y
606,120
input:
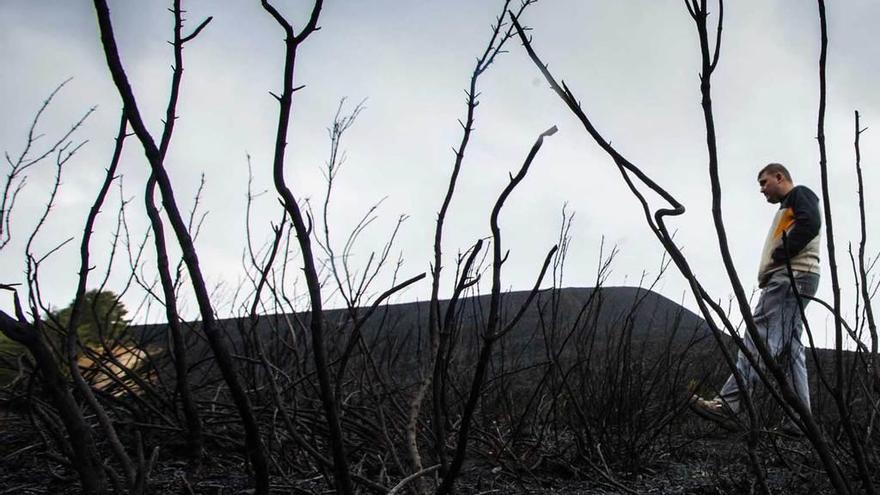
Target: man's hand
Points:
x,y
768,274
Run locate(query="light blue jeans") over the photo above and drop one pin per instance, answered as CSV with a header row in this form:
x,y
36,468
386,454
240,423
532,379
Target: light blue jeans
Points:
x,y
778,320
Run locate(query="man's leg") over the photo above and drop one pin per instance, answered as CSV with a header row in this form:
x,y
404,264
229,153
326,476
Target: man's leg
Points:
x,y
768,316
798,373
778,321
807,284
730,393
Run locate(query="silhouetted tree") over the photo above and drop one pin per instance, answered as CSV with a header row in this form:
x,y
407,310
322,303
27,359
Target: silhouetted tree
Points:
x,y
103,316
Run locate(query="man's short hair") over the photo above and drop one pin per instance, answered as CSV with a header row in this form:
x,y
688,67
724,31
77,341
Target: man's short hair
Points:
x,y
775,168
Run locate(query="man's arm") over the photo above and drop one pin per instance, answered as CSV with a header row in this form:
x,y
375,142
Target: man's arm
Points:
x,y
807,221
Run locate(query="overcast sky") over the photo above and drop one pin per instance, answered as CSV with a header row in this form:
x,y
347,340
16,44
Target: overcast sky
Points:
x,y
633,65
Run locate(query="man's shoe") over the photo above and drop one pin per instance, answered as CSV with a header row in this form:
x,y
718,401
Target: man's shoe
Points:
x,y
715,410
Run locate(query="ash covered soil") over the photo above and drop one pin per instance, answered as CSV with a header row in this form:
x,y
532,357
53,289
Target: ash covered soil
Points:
x,y
702,460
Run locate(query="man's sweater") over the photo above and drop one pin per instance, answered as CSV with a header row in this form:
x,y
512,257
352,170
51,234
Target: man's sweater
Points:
x,y
799,219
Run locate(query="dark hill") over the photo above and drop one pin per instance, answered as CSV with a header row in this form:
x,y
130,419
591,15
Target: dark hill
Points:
x,y
650,315
575,323
571,322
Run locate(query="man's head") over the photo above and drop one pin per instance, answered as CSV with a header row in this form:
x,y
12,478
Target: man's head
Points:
x,y
775,182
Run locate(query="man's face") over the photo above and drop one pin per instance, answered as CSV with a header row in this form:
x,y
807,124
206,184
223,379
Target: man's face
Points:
x,y
772,186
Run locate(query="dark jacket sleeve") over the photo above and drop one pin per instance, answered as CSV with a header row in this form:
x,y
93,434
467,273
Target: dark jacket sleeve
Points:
x,y
807,221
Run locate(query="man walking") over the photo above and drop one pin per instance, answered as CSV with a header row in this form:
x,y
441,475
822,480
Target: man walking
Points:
x,y
793,240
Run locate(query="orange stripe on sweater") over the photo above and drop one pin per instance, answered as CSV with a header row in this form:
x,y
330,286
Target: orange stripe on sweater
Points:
x,y
785,223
